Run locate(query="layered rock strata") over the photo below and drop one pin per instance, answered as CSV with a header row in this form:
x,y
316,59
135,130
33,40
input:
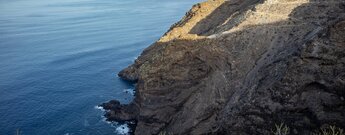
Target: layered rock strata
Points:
x,y
241,67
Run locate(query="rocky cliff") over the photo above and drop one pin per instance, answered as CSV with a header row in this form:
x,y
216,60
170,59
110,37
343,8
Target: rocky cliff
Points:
x,y
241,67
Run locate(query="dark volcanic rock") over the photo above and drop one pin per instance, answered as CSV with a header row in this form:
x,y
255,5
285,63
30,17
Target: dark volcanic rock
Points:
x,y
120,112
241,67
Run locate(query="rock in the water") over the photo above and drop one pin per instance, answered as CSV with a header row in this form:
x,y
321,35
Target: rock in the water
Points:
x,y
241,67
118,112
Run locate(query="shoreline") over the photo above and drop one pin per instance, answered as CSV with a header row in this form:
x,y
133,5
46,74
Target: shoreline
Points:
x,y
270,62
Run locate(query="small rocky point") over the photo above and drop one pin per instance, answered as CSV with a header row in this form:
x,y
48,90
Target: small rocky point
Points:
x,y
240,67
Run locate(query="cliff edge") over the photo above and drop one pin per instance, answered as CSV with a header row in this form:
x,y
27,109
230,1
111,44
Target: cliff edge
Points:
x,y
242,67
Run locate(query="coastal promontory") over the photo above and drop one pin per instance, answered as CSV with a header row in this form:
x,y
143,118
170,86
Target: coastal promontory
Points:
x,y
242,67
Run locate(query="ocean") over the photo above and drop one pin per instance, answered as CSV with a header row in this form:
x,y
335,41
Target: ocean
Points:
x,y
59,59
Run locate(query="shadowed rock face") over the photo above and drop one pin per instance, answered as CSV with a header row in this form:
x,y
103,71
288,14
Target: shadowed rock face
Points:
x,y
240,67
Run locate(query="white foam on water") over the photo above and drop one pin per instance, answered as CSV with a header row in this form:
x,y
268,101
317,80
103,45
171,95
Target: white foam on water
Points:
x,y
134,58
104,119
99,108
129,91
123,129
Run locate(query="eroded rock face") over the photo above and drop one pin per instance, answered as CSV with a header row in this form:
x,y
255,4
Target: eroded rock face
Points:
x,y
240,67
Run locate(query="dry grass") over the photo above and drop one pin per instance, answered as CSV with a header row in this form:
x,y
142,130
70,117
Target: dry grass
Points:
x,y
331,130
281,129
164,133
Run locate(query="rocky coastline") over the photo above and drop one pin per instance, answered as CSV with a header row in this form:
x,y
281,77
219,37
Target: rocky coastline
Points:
x,y
242,67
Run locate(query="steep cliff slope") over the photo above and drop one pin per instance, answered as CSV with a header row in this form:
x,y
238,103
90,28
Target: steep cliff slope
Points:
x,y
240,67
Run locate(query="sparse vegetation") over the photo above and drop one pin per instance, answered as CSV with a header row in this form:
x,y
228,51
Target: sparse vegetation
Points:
x,y
281,129
164,133
331,130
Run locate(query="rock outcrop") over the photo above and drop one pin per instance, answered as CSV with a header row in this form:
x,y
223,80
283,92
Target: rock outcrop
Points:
x,y
241,67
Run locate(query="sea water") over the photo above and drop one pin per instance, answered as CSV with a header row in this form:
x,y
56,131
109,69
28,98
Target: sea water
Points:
x,y
59,59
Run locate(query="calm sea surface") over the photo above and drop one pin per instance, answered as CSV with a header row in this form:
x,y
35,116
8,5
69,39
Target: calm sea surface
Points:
x,y
59,59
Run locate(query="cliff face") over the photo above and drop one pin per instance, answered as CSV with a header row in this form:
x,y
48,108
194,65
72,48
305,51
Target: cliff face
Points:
x,y
240,67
